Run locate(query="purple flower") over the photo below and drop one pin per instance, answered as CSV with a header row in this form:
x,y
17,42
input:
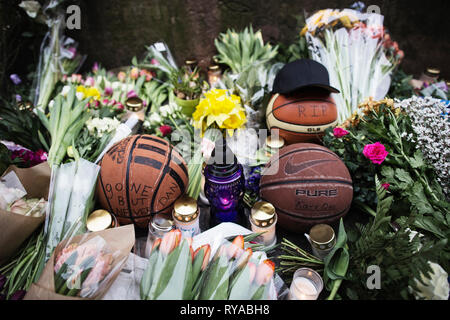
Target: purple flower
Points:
x,y
18,295
95,67
18,98
15,79
252,182
73,51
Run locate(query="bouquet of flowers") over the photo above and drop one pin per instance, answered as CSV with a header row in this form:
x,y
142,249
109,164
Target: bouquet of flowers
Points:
x,y
358,53
175,271
374,142
82,269
84,266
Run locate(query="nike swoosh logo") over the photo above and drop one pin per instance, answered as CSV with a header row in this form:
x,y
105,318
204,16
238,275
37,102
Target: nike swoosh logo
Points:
x,y
292,168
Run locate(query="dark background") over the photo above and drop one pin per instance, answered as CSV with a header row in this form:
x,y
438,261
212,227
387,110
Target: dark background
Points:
x,y
113,31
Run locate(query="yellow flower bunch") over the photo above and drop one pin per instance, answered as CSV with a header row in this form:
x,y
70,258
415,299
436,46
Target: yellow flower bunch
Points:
x,y
219,108
365,109
329,18
89,92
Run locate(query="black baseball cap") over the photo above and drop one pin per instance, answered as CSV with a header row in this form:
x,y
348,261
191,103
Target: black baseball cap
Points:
x,y
300,74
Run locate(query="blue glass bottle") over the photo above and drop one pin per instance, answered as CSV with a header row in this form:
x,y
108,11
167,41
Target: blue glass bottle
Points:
x,y
224,185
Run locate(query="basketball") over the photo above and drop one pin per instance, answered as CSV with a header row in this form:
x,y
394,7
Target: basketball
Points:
x,y
140,176
307,184
302,116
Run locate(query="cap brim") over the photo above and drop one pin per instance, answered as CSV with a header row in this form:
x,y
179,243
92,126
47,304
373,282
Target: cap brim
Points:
x,y
323,86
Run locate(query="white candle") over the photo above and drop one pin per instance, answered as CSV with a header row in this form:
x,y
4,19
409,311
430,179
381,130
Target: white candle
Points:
x,y
303,289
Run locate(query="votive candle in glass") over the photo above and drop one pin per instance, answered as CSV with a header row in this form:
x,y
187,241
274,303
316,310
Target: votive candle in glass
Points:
x,y
186,216
306,285
263,218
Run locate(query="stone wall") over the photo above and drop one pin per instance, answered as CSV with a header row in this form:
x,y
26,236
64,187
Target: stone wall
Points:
x,y
113,31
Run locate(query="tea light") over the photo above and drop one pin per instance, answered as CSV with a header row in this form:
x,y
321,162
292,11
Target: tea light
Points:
x,y
306,285
263,219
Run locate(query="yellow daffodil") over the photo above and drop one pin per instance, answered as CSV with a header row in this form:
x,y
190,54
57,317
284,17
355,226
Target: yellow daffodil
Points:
x,y
89,92
219,108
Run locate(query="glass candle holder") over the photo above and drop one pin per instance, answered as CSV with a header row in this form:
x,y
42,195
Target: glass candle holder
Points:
x,y
322,240
306,284
186,216
224,185
157,228
214,75
263,219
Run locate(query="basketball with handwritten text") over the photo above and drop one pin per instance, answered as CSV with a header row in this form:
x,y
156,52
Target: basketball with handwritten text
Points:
x,y
309,185
140,176
302,116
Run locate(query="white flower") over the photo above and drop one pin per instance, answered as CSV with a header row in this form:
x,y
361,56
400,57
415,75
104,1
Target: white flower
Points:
x,y
115,85
80,95
155,118
435,288
51,103
146,124
65,90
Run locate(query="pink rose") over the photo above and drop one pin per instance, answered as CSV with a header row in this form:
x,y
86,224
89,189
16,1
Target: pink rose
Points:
x,y
339,132
375,152
386,186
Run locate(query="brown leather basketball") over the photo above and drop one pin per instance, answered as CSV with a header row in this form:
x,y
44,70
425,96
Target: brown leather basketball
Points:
x,y
140,176
302,116
307,184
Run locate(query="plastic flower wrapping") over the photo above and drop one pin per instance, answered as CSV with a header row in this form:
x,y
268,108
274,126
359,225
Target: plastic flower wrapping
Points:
x,y
175,271
83,269
357,52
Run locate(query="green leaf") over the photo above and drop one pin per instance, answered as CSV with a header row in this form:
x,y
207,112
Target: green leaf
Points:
x,y
417,161
387,172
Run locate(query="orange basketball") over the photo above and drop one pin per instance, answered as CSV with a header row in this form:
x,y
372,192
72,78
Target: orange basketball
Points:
x,y
140,176
302,116
308,184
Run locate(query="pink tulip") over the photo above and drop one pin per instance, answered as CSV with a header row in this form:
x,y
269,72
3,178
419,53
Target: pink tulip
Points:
x,y
264,272
108,91
89,82
131,94
119,106
386,186
95,67
155,62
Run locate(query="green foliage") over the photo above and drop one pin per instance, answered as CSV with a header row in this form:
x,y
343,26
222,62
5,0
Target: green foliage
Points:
x,y
400,85
240,50
186,85
22,127
401,259
416,193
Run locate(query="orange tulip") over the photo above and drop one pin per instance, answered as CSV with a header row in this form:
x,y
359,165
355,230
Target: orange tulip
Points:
x,y
156,244
170,241
207,249
252,269
243,259
134,73
264,272
236,248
